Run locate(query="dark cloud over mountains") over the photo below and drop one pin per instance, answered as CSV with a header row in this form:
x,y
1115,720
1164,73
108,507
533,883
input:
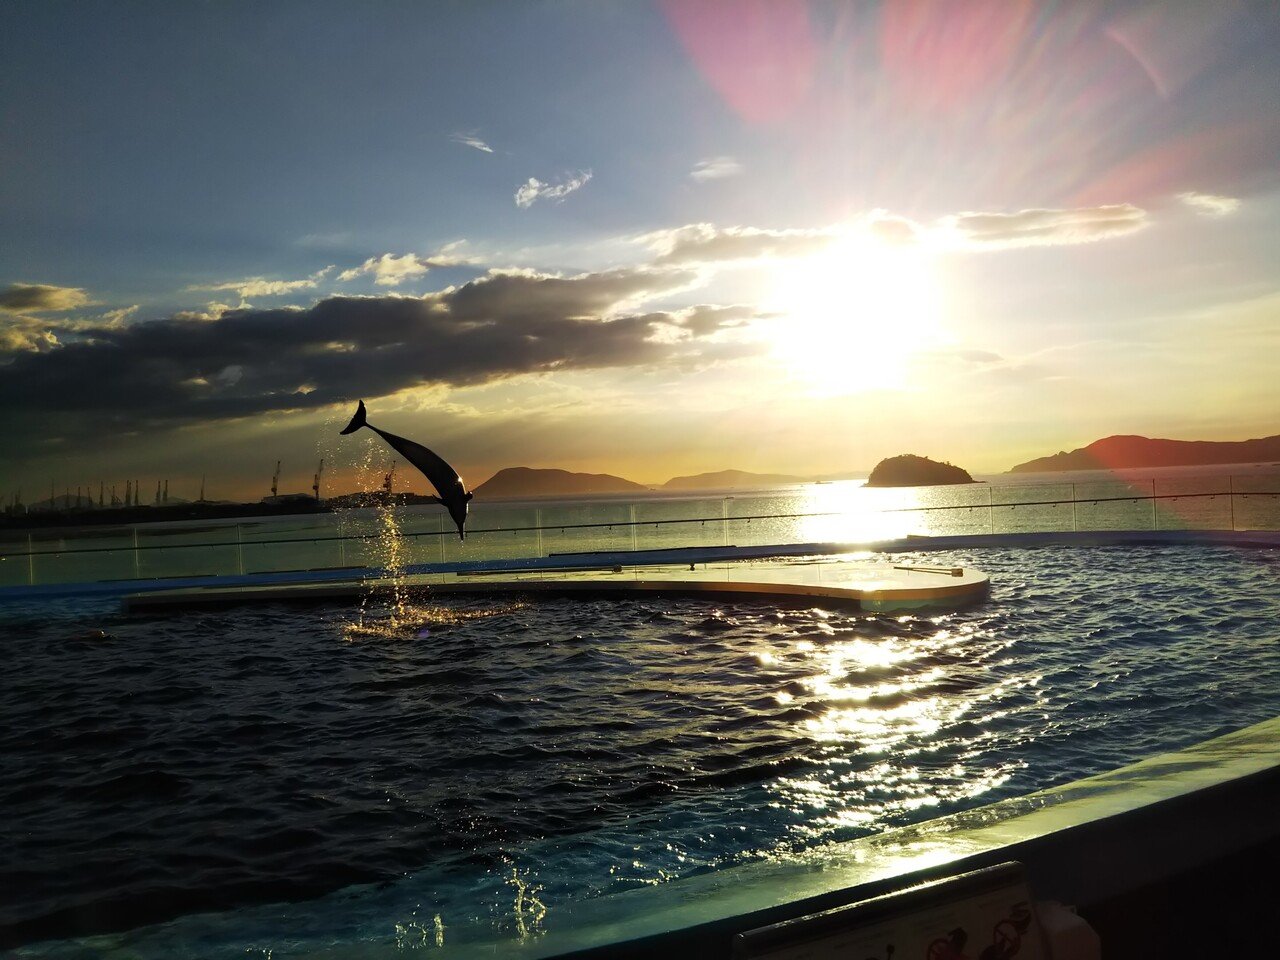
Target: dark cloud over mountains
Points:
x,y
251,361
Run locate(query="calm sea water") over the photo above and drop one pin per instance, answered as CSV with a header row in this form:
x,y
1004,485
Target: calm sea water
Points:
x,y
1227,498
273,781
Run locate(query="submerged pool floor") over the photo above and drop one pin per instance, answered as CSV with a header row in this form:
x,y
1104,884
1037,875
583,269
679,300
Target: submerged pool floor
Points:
x,y
290,779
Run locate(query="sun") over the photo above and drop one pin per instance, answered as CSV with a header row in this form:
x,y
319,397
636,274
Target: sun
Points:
x,y
854,316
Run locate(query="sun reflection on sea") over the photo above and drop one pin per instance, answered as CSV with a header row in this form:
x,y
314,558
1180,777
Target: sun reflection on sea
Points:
x,y
879,710
848,512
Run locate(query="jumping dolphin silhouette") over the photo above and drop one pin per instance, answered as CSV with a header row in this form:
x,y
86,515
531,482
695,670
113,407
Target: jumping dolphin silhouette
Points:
x,y
452,491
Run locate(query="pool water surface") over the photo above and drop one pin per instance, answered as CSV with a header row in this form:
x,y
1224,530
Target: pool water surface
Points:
x,y
282,779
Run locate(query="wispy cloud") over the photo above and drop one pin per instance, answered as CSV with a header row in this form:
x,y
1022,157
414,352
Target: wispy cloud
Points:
x,y
389,270
339,238
535,189
471,140
1040,228
1208,204
41,298
262,287
212,311
707,243
715,168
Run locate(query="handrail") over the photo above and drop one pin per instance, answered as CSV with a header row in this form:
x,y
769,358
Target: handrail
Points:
x,y
639,523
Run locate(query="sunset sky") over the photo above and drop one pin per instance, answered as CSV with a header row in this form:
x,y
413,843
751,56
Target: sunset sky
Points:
x,y
639,238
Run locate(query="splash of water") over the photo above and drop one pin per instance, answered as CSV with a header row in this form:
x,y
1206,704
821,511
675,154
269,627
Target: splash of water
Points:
x,y
413,935
390,549
528,911
385,547
414,621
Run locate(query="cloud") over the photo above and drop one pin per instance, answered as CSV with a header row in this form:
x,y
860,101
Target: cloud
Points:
x,y
471,140
28,334
1038,228
390,270
965,357
262,287
715,168
892,229
25,335
118,317
1208,204
707,243
705,319
41,298
535,189
250,362
211,312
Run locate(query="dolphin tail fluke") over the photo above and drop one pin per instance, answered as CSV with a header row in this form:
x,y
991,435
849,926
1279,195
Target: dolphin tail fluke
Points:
x,y
357,421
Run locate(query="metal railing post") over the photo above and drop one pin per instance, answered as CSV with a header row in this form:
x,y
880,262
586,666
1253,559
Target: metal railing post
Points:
x,y
239,552
991,510
136,571
1155,520
724,519
633,527
1075,523
31,563
1231,496
537,522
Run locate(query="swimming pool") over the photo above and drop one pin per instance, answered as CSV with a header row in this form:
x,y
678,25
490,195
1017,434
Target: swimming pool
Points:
x,y
287,780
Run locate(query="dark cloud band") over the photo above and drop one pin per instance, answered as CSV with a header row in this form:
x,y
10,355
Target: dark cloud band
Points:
x,y
248,362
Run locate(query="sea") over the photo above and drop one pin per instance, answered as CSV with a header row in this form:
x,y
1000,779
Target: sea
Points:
x,y
1236,497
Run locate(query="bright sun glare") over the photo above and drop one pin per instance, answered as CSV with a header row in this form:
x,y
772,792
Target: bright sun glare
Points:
x,y
853,317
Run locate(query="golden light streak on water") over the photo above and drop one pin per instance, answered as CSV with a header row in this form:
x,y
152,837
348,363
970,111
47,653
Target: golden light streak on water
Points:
x,y
879,729
857,513
890,698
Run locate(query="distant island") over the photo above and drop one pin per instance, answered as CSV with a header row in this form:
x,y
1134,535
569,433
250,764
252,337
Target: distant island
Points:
x,y
908,470
729,480
514,482
1119,452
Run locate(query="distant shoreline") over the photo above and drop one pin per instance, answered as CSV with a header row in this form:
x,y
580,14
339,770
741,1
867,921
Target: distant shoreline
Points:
x,y
70,521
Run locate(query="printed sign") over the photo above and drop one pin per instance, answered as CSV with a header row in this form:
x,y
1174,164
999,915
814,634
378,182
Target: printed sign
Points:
x,y
984,915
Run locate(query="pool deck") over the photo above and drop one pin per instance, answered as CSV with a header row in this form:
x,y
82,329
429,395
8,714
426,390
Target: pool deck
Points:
x,y
837,582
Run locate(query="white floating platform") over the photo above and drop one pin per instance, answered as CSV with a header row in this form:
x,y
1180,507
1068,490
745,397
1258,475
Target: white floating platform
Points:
x,y
849,584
